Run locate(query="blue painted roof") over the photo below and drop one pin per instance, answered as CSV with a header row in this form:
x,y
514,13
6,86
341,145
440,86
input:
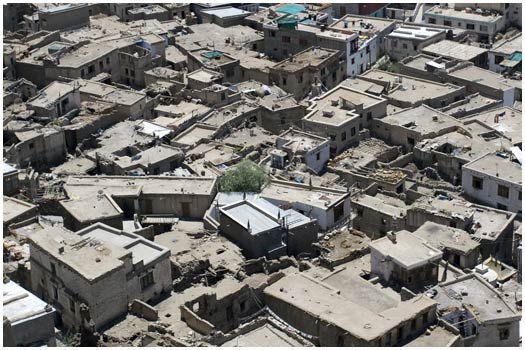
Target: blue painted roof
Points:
x,y
291,9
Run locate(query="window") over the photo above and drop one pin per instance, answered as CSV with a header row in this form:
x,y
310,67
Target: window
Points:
x,y
53,269
369,116
405,46
413,325
108,60
301,78
483,28
55,293
409,279
352,131
498,59
101,65
459,24
223,96
283,121
132,73
126,71
425,317
286,39
394,43
353,60
360,212
501,206
71,305
82,73
470,26
243,306
432,20
411,141
284,81
447,23
64,103
31,145
503,191
519,195
318,156
332,137
503,333
272,34
477,183
91,69
146,280
334,76
229,313
343,136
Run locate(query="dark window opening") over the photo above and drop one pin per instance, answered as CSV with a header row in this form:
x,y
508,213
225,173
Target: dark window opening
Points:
x,y
477,183
146,281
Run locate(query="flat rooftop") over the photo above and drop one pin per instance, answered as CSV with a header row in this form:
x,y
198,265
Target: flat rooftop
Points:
x,y
450,208
15,207
342,101
301,141
140,248
51,94
80,186
422,119
263,336
110,93
20,305
204,75
410,89
328,304
485,77
509,46
226,12
311,57
319,197
439,235
91,260
474,292
230,113
509,122
415,33
378,204
438,11
438,337
454,50
149,156
92,208
409,250
420,61
194,134
204,33
87,53
368,26
496,166
471,104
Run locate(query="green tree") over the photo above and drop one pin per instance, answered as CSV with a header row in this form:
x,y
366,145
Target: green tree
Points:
x,y
244,177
